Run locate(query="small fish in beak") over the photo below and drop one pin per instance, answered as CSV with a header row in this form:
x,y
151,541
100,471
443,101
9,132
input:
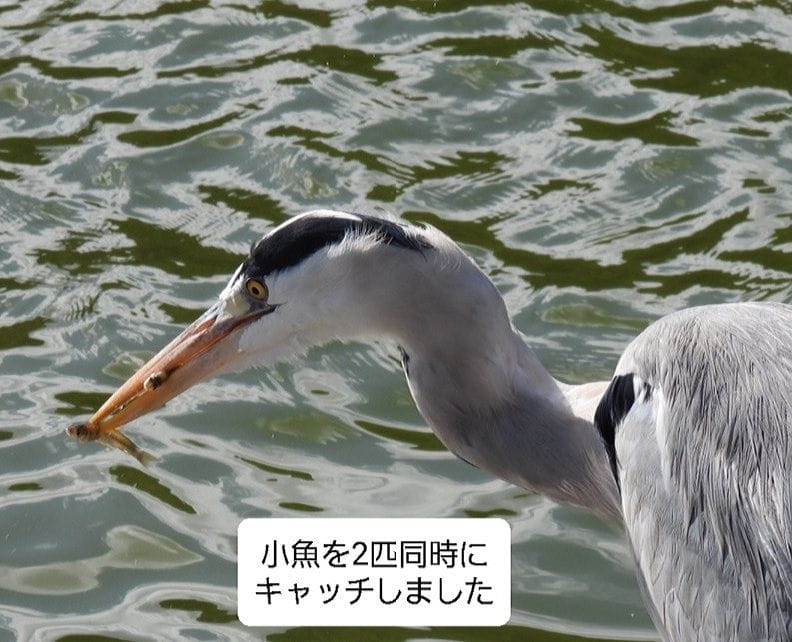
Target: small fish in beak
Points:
x,y
154,380
115,439
207,346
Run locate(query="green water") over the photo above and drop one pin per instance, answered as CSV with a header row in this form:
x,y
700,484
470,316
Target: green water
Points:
x,y
605,163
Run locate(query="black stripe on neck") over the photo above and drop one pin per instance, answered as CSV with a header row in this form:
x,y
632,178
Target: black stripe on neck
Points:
x,y
612,408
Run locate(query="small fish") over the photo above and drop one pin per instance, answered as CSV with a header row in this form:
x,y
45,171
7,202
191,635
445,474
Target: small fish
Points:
x,y
155,380
89,431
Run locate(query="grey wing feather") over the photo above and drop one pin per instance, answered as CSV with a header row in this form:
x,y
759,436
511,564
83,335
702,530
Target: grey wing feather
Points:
x,y
704,460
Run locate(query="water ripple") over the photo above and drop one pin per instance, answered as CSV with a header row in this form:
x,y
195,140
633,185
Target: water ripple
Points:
x,y
605,163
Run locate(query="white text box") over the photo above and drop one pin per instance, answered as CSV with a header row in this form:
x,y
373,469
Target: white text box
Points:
x,y
374,572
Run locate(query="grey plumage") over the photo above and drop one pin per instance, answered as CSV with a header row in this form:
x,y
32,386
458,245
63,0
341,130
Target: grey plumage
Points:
x,y
705,465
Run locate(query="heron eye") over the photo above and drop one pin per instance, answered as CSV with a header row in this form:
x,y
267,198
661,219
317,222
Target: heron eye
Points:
x,y
256,289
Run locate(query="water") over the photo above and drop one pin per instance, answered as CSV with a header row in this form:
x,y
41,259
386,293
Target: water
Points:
x,y
605,163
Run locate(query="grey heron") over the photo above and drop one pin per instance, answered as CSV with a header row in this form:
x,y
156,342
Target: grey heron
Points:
x,y
689,445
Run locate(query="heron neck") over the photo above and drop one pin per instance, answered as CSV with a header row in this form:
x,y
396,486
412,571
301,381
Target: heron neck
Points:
x,y
516,423
476,382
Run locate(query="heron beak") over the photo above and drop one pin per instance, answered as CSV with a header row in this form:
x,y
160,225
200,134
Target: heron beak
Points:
x,y
202,349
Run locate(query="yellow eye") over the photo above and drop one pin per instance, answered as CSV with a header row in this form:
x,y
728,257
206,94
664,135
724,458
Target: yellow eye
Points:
x,y
256,289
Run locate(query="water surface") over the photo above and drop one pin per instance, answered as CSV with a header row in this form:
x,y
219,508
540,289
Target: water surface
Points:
x,y
605,163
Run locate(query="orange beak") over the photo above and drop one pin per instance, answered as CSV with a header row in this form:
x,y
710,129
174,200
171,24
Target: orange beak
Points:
x,y
201,350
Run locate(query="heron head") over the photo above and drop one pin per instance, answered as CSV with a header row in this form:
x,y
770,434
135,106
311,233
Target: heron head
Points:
x,y
297,288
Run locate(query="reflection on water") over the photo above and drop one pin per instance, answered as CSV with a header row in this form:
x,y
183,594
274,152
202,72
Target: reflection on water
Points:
x,y
132,548
605,164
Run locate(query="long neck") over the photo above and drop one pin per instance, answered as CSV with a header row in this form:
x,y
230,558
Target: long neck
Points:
x,y
486,395
518,424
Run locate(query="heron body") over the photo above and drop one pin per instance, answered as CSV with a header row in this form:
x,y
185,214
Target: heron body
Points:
x,y
704,461
690,444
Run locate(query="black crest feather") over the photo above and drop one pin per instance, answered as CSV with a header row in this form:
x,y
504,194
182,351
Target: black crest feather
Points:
x,y
295,242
